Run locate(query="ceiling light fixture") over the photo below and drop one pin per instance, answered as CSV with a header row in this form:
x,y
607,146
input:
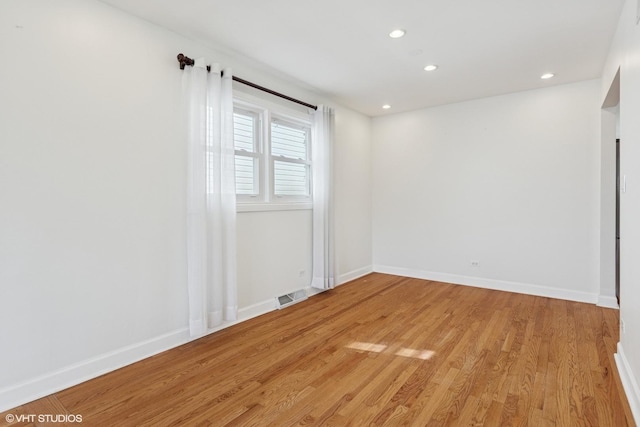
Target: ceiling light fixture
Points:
x,y
396,34
431,67
386,106
547,76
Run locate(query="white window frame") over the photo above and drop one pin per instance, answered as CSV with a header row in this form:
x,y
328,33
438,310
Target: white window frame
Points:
x,y
267,111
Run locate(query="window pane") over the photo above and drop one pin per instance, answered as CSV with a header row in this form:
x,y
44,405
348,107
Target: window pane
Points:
x,y
289,140
244,131
290,179
246,175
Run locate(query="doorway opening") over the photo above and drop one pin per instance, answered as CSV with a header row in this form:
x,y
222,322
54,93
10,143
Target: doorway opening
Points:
x,y
611,229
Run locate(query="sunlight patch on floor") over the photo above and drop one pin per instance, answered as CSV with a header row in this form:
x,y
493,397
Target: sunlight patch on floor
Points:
x,y
367,346
416,354
403,352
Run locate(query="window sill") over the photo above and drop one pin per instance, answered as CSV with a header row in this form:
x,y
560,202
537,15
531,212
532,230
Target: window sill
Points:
x,y
269,207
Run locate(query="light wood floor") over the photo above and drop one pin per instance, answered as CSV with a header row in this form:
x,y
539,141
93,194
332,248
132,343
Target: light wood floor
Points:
x,y
382,350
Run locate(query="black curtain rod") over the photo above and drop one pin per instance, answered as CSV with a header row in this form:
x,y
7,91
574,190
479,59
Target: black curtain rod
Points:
x,y
185,60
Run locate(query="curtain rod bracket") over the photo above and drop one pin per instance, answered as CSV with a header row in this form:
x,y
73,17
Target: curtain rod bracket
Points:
x,y
185,60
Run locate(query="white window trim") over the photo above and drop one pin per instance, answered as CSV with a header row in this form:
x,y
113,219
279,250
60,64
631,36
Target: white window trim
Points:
x,y
268,207
266,200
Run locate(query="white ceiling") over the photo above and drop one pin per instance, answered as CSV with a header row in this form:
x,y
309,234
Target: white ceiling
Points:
x,y
341,47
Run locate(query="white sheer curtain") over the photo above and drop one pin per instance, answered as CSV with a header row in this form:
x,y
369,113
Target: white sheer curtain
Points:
x,y
323,238
211,198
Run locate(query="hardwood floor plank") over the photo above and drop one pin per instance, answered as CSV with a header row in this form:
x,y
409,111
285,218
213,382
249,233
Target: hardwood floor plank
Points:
x,y
381,350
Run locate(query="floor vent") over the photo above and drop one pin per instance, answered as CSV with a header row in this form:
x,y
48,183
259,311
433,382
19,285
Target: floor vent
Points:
x,y
291,298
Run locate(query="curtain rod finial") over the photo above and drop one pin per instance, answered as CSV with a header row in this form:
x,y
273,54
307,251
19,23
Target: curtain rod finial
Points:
x,y
184,60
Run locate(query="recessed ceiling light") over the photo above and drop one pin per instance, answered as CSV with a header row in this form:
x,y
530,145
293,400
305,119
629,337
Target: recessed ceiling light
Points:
x,y
547,76
386,106
396,34
431,67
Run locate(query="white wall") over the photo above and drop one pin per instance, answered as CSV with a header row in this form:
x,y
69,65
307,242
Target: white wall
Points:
x,y
352,181
625,55
510,181
92,200
274,255
91,184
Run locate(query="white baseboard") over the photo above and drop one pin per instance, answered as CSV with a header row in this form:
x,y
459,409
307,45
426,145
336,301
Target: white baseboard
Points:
x,y
629,383
311,291
45,385
498,285
608,302
343,278
244,313
355,274
256,310
42,386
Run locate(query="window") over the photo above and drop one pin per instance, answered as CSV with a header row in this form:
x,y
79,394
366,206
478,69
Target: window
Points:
x,y
246,131
272,157
290,157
